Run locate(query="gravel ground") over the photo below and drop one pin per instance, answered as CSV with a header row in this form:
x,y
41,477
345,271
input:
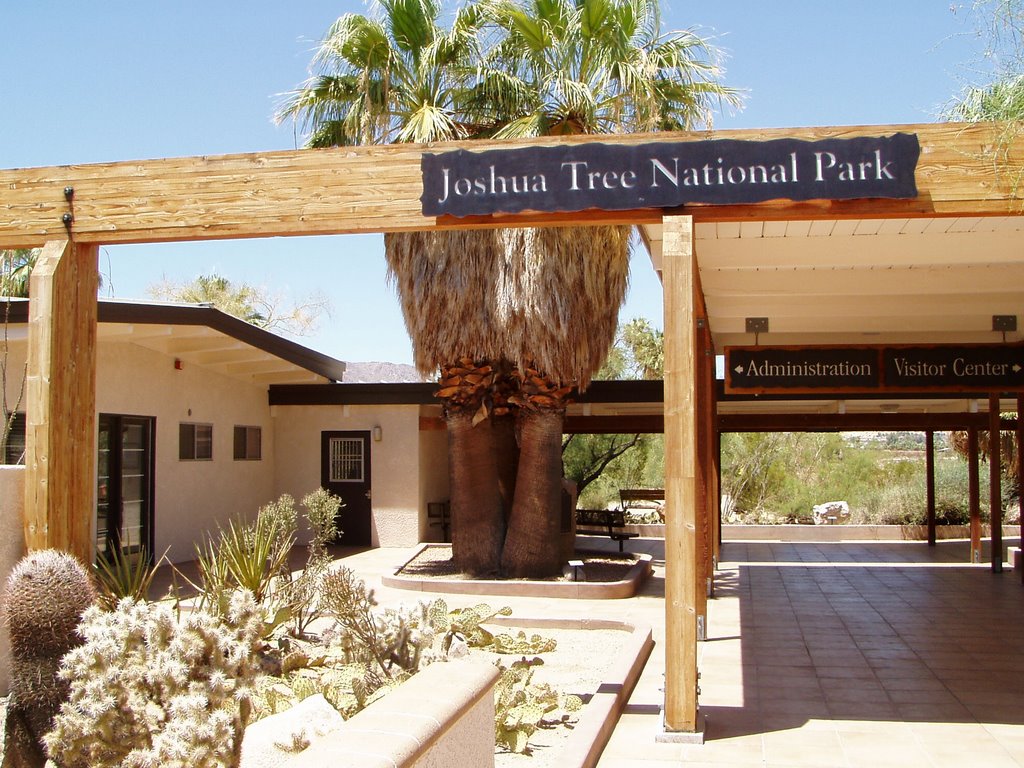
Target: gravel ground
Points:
x,y
436,563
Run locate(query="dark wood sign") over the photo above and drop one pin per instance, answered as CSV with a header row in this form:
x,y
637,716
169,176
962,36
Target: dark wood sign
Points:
x,y
617,177
942,368
784,369
987,367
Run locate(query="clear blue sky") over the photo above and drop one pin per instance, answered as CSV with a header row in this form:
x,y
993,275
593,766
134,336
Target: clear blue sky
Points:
x,y
84,82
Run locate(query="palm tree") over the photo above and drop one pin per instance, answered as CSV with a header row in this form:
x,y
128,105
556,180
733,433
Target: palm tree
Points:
x,y
396,77
15,269
513,319
577,67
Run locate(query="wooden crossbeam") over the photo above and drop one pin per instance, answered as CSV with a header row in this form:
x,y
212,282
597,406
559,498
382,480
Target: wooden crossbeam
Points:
x,y
377,189
60,472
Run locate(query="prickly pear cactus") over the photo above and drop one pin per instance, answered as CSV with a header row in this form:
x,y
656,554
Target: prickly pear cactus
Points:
x,y
47,593
522,706
521,645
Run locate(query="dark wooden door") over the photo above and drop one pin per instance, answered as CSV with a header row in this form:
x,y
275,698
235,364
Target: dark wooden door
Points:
x,y
124,493
345,471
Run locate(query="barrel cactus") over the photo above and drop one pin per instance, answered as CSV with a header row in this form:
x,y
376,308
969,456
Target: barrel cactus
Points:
x,y
47,593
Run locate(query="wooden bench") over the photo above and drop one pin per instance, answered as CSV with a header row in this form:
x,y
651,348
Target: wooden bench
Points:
x,y
629,496
604,522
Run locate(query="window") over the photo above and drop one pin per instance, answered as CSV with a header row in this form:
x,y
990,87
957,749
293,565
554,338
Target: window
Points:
x,y
14,451
248,442
346,460
195,442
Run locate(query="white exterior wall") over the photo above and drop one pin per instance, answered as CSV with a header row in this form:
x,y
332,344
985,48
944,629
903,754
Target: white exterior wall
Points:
x,y
191,497
397,504
433,476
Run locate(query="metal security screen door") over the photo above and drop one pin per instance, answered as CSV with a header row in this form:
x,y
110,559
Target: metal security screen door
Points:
x,y
345,472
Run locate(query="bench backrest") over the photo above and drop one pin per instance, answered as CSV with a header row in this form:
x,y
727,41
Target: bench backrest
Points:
x,y
629,495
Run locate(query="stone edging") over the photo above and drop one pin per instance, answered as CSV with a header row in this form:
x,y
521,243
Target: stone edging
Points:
x,y
602,712
580,590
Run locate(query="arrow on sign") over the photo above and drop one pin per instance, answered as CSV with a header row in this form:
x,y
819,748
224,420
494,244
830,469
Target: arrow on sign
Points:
x,y
738,369
1016,368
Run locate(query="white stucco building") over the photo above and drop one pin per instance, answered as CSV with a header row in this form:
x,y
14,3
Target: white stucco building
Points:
x,y
190,436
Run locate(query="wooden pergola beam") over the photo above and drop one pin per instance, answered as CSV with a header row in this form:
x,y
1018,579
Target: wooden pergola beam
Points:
x,y
378,189
60,472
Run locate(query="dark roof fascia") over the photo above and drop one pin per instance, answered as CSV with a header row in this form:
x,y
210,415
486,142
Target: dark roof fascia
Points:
x,y
353,394
422,393
210,317
14,310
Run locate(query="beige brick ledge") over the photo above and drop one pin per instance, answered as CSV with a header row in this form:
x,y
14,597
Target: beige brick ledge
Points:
x,y
445,709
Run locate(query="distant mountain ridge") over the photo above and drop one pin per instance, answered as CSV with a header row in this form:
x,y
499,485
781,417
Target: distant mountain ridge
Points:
x,y
380,373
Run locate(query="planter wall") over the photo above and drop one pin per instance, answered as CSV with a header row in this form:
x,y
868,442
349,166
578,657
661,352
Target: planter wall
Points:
x,y
442,716
834,532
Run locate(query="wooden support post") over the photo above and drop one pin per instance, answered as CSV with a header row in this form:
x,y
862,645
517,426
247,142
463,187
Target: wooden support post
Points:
x,y
1020,472
974,493
705,571
60,439
929,472
995,488
718,483
712,468
681,566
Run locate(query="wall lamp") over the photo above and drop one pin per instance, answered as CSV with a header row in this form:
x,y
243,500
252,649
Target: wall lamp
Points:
x,y
378,434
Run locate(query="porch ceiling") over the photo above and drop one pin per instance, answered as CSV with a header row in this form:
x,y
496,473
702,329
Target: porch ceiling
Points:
x,y
212,350
859,281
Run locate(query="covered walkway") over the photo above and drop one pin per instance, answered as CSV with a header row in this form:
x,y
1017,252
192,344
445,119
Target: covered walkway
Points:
x,y
846,654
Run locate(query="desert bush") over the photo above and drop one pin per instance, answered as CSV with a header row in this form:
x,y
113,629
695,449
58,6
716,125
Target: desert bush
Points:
x,y
119,574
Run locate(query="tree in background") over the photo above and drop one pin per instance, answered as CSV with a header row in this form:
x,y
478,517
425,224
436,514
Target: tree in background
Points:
x,y
602,464
15,269
247,302
1000,96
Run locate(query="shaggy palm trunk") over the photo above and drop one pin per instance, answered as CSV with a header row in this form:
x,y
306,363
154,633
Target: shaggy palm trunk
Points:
x,y
531,543
478,520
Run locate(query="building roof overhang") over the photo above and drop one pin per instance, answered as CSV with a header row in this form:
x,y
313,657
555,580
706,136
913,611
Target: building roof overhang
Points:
x,y
203,335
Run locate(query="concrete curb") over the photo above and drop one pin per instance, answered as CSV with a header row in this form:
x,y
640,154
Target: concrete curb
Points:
x,y
579,590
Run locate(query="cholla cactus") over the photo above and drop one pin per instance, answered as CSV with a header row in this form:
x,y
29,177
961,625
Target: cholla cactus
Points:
x,y
147,691
47,593
396,640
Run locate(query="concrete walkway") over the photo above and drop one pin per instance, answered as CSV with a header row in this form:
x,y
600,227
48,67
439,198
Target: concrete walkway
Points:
x,y
847,654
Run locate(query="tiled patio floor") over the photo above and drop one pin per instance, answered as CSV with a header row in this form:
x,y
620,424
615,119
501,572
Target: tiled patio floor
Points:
x,y
860,655
851,655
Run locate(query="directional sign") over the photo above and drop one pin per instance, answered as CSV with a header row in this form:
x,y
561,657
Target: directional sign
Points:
x,y
950,368
784,368
987,367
